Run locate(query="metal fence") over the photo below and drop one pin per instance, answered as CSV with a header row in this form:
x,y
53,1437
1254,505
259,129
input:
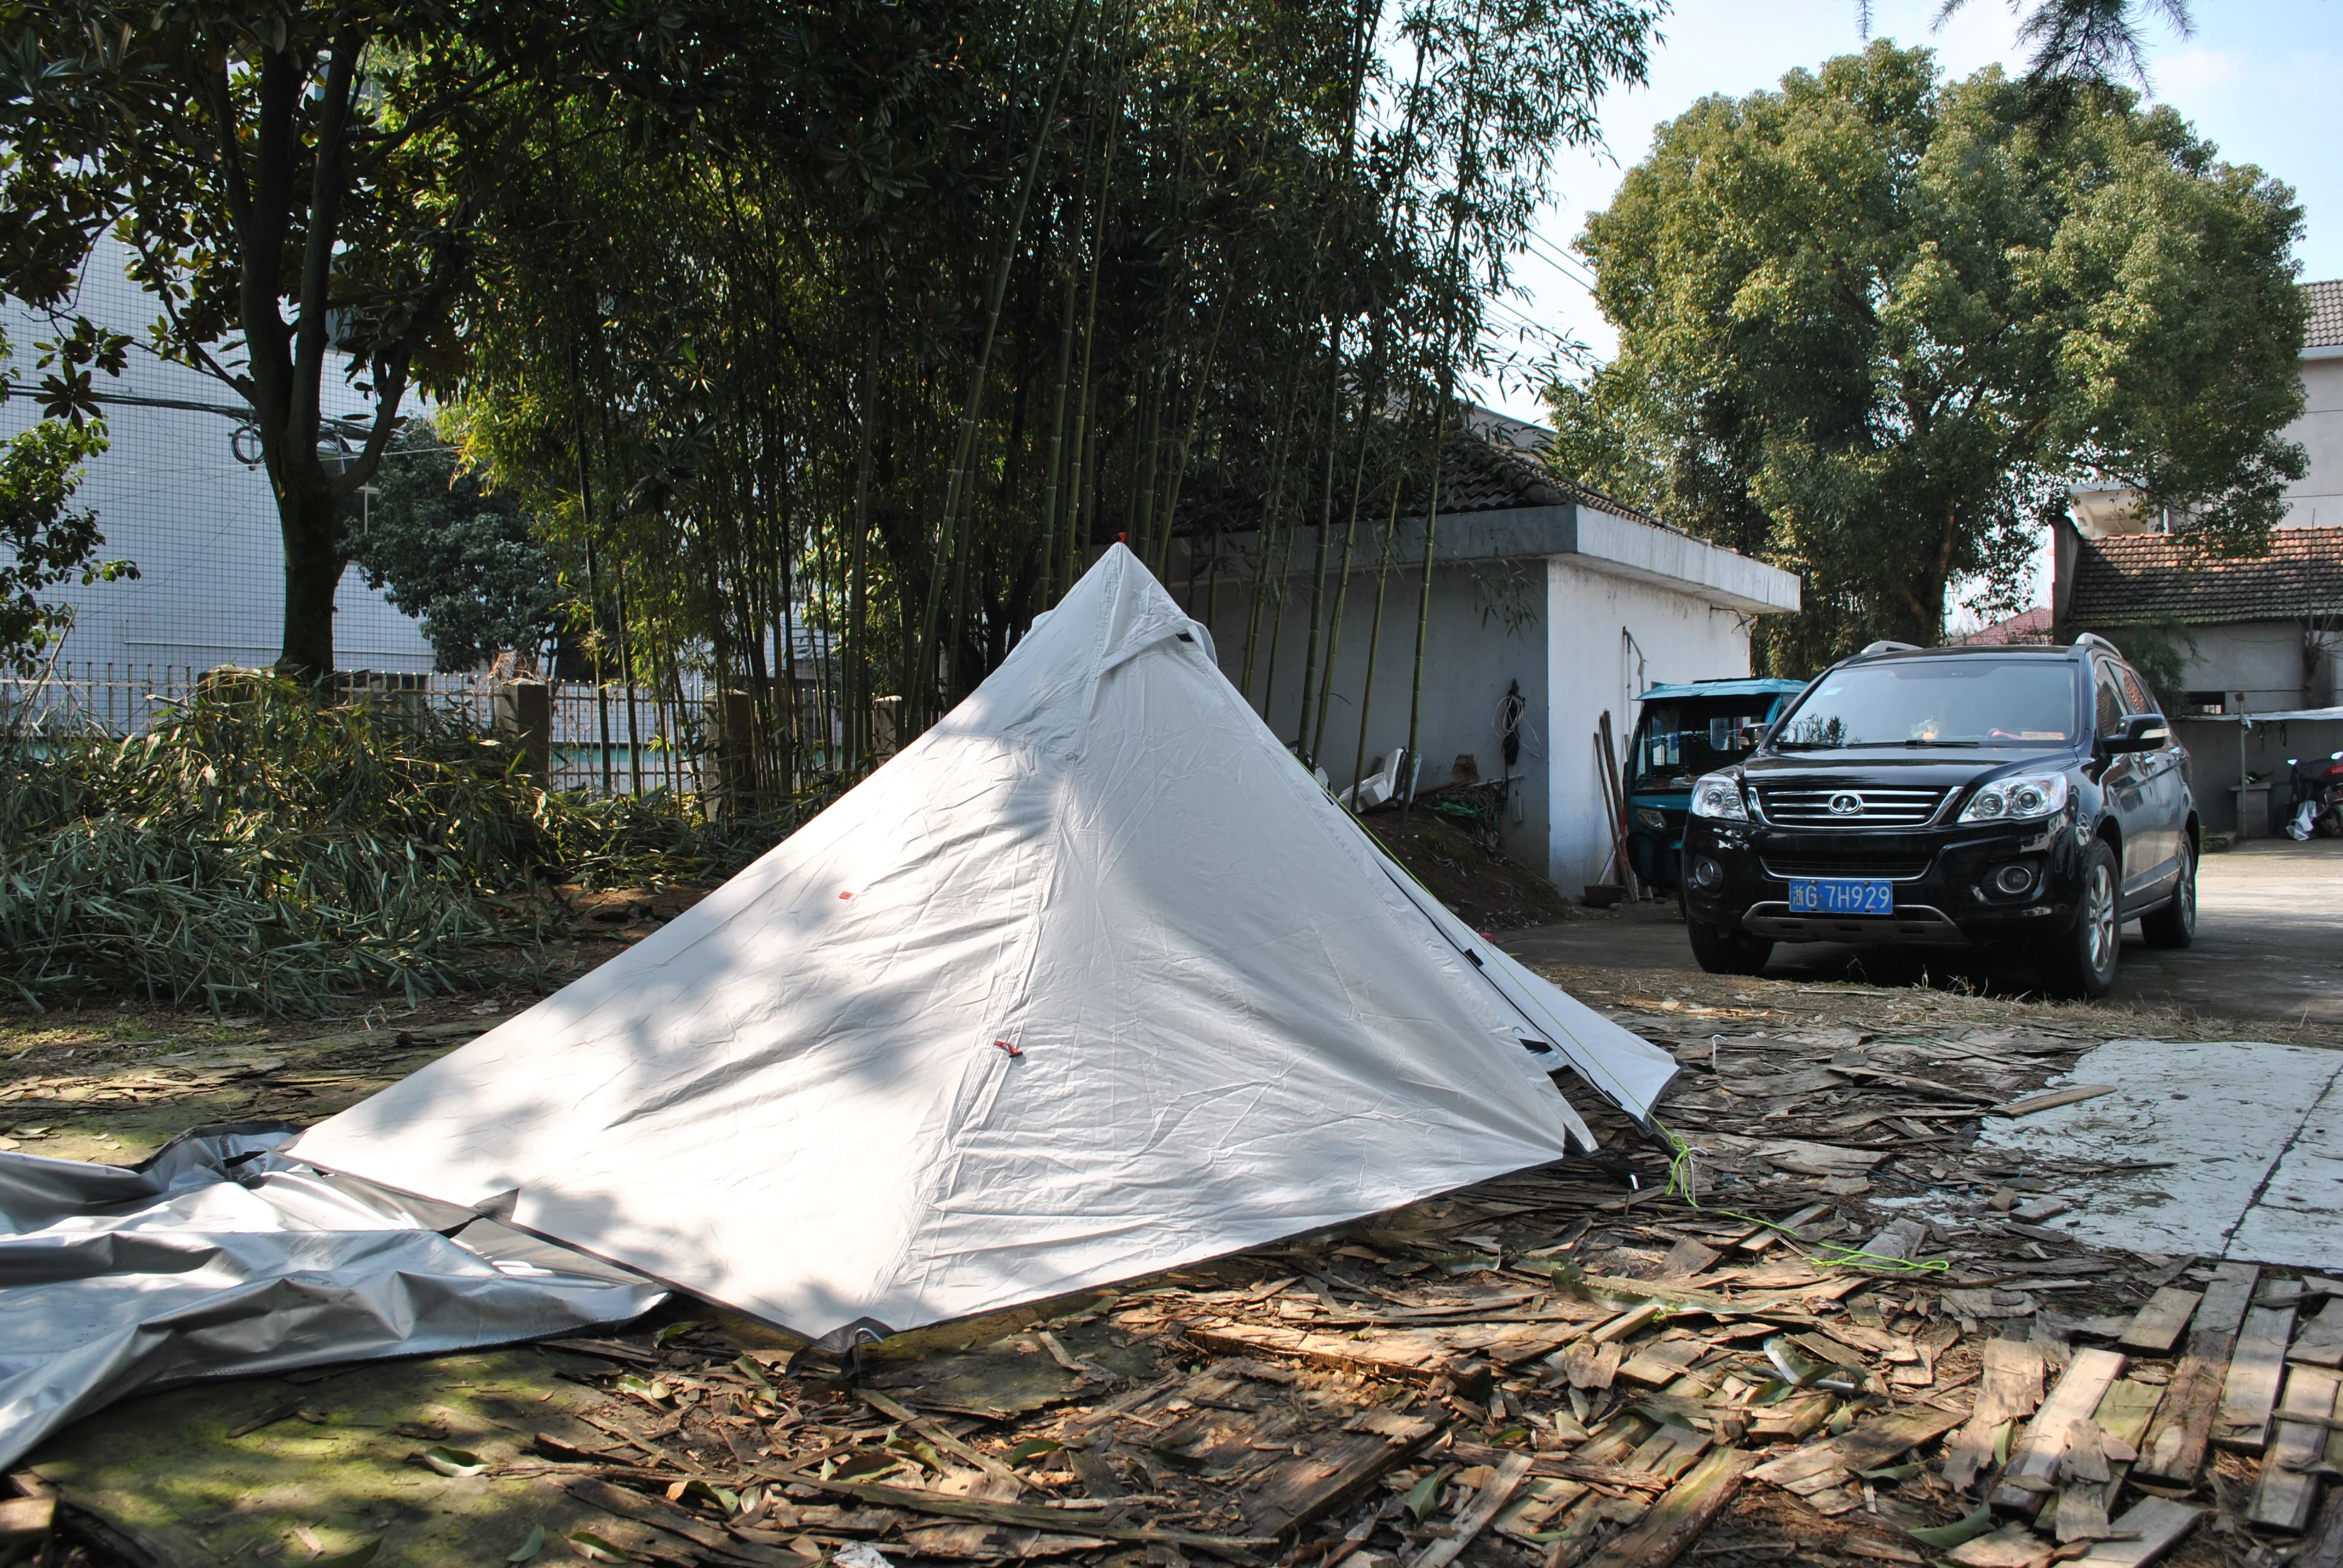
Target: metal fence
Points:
x,y
606,739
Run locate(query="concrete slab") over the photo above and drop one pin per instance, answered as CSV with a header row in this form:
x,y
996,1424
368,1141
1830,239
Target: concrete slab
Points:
x,y
2242,1141
2299,1217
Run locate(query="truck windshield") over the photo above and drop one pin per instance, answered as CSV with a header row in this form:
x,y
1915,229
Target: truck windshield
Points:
x,y
1952,702
1676,742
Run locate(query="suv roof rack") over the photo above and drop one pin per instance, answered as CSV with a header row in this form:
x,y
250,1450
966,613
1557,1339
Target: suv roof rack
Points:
x,y
1884,646
2093,640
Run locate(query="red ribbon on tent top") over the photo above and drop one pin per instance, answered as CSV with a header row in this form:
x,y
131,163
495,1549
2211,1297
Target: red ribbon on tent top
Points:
x,y
1008,1048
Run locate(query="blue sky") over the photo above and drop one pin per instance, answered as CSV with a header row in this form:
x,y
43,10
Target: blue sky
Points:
x,y
2263,79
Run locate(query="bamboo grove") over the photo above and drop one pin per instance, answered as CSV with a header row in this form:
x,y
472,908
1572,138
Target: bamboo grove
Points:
x,y
835,391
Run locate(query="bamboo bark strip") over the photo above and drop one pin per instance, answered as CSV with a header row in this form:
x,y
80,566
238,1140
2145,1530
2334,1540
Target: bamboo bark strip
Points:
x,y
1478,1514
1679,1518
1870,1444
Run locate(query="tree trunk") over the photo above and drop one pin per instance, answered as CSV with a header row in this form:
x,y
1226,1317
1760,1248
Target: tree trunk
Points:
x,y
313,568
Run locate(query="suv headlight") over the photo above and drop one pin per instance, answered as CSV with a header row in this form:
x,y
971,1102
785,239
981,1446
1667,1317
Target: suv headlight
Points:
x,y
2019,799
1718,795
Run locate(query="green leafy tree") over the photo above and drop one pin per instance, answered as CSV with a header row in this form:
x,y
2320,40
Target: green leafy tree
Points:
x,y
43,544
464,559
298,183
1875,325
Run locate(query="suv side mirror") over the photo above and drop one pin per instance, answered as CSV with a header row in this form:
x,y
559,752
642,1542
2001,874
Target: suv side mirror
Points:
x,y
2140,732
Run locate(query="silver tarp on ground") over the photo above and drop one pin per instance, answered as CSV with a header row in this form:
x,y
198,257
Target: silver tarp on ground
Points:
x,y
220,1259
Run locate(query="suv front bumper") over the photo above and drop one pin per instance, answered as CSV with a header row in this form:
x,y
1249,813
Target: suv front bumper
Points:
x,y
1944,881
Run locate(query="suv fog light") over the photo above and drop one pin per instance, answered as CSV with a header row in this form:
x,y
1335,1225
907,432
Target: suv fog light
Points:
x,y
2013,879
1705,872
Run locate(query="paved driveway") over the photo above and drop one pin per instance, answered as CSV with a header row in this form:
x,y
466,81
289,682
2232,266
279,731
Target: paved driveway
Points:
x,y
2269,942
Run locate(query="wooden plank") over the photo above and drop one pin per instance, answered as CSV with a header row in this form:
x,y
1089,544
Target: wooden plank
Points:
x,y
2175,1449
1294,1491
26,1520
2127,1411
1765,1239
2053,1099
2156,1328
1677,1520
2010,1389
1660,1364
1687,1258
1485,1507
1870,1444
2323,1546
1233,1548
1592,1366
2320,1343
2251,1391
1627,1322
2155,1524
2038,1458
2011,1546
2227,1296
2283,1500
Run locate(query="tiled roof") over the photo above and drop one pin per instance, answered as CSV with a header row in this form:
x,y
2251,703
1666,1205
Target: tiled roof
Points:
x,y
2325,302
1476,475
2025,626
2139,577
1479,476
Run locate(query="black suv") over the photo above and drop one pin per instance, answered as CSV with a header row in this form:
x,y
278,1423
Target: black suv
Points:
x,y
2021,797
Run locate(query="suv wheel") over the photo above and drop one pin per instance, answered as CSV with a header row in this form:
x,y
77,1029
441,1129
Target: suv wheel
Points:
x,y
2174,925
2084,963
1722,953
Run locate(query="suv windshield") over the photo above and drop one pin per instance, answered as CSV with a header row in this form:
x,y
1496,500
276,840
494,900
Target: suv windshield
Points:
x,y
1957,701
1676,742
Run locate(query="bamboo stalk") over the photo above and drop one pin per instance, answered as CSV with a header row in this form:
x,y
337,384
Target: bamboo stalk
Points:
x,y
1375,637
1423,603
957,483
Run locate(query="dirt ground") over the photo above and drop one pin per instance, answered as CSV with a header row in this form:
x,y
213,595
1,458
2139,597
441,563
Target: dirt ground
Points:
x,y
1827,1318
2269,947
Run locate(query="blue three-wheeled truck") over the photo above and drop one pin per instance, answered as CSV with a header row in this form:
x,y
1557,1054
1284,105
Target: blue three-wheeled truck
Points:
x,y
1683,732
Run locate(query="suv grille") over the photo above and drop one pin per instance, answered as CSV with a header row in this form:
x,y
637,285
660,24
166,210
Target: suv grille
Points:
x,y
1850,863
1880,806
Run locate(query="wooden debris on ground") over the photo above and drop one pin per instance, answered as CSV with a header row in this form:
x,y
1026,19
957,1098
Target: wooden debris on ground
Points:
x,y
1843,1332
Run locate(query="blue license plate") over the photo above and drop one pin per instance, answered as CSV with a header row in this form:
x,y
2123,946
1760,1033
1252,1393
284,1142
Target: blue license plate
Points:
x,y
1841,896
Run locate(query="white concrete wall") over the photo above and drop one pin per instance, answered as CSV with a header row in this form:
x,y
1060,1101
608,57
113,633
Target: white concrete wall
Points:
x,y
172,496
1592,667
1487,629
2262,658
2318,496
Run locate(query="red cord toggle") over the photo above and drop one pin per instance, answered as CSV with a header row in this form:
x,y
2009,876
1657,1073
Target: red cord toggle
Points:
x,y
1008,1048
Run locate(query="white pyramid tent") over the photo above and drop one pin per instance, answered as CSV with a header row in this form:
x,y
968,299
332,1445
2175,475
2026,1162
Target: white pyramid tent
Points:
x,y
1091,980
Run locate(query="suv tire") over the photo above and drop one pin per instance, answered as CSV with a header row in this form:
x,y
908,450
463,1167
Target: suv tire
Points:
x,y
1722,953
2083,964
2174,925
